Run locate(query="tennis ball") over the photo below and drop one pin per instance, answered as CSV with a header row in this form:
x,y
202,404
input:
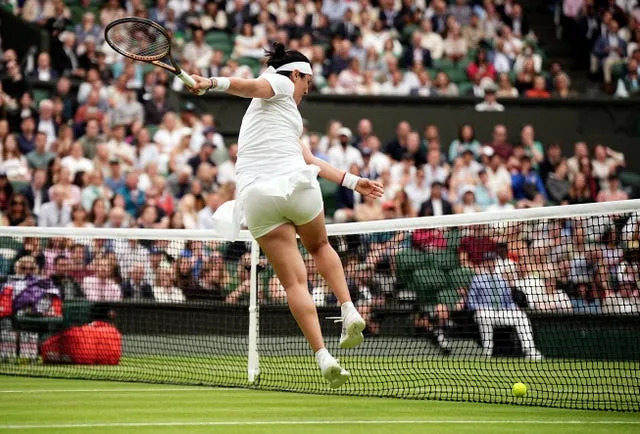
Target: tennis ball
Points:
x,y
519,389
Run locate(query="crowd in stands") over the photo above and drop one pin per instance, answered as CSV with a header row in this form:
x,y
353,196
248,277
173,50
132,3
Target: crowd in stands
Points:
x,y
115,153
384,47
605,37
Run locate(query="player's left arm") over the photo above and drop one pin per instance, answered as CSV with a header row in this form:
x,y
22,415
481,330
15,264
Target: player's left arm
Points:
x,y
364,186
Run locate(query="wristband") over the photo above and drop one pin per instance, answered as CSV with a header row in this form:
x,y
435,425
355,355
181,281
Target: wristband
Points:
x,y
350,180
222,84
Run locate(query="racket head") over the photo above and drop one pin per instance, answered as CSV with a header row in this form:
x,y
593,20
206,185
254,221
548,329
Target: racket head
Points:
x,y
139,39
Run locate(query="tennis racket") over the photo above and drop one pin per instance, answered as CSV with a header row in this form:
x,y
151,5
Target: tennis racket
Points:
x,y
146,41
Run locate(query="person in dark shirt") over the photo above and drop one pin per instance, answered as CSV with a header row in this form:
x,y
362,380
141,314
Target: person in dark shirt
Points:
x,y
14,84
204,156
397,146
62,279
136,287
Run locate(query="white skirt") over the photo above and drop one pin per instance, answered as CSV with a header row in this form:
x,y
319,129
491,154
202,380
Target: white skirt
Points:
x,y
230,216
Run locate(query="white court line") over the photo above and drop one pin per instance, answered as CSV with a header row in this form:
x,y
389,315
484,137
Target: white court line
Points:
x,y
322,422
158,389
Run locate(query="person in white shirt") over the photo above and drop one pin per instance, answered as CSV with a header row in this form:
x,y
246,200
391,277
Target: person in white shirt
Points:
x,y
169,133
120,149
46,123
431,40
279,196
227,170
378,161
499,176
343,155
54,213
490,103
404,172
434,171
198,52
504,197
396,85
75,161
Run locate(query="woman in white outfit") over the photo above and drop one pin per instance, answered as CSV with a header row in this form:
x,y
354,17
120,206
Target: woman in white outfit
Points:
x,y
278,195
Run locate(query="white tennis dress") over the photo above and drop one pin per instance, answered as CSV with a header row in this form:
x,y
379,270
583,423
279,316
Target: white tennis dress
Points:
x,y
274,184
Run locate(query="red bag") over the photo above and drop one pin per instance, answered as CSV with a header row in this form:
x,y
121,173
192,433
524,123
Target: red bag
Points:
x,y
96,343
6,301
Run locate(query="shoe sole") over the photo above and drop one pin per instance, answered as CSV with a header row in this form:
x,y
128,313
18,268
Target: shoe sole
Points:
x,y
336,376
354,335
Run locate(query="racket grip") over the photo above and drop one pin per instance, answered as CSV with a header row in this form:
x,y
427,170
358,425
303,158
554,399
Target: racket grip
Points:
x,y
189,81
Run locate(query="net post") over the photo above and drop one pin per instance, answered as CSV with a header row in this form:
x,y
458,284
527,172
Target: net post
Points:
x,y
253,362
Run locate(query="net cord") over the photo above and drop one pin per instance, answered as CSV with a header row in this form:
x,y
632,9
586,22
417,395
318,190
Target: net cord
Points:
x,y
553,212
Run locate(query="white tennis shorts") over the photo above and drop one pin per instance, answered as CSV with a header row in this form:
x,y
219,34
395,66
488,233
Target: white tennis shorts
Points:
x,y
265,213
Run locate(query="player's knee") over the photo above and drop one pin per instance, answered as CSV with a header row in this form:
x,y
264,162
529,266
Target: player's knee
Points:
x,y
317,246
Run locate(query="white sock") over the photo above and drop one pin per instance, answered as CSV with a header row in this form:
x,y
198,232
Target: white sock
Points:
x,y
322,355
346,307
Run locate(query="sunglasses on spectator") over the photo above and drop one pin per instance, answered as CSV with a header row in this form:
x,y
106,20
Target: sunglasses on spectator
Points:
x,y
17,202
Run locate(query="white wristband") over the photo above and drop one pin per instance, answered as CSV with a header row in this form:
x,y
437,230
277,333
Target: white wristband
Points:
x,y
222,84
350,180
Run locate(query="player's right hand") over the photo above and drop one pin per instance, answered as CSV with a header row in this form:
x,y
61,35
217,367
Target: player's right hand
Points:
x,y
202,83
367,187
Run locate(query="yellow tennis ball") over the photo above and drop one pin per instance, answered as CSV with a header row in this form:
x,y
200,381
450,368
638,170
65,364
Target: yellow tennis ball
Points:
x,y
519,389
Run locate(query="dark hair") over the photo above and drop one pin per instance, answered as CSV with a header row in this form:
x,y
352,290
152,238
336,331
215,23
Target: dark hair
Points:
x,y
279,55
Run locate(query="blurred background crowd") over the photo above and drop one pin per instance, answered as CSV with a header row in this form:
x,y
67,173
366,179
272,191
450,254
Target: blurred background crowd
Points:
x,y
108,147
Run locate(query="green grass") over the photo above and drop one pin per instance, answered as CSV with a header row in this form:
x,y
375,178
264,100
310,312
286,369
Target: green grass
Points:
x,y
41,405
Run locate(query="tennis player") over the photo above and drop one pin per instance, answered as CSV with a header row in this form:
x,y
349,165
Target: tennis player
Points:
x,y
278,195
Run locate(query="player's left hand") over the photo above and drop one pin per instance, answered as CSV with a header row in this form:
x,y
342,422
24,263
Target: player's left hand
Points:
x,y
367,187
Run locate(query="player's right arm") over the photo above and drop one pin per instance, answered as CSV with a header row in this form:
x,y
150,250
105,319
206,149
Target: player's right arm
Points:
x,y
243,87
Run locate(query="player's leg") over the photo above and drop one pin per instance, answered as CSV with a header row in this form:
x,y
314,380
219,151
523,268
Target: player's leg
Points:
x,y
281,248
314,238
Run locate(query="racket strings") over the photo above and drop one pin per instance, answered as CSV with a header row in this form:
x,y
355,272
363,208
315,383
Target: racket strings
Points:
x,y
139,40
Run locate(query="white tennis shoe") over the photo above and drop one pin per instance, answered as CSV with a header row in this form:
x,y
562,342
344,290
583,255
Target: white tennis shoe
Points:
x,y
352,326
335,374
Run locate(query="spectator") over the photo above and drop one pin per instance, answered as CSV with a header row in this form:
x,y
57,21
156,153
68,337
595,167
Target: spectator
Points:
x,y
526,182
396,85
350,78
71,193
136,287
118,218
605,162
119,148
608,49
504,197
369,209
95,190
98,215
532,147
197,51
539,89
431,40
79,218
133,197
562,86
227,170
205,215
156,109
579,191
214,280
415,53
26,139
491,301
343,155
14,84
62,279
436,205
102,286
499,143
505,88
442,86
55,213
39,158
36,192
455,46
19,213
75,161
557,184
466,140
613,192
43,70
164,289
489,104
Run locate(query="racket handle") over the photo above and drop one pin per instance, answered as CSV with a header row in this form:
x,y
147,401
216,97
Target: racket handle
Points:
x,y
189,81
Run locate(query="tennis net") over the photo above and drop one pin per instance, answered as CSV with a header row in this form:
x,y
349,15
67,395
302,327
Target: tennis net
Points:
x,y
458,308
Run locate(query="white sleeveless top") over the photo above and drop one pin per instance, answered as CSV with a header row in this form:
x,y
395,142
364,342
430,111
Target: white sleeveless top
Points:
x,y
269,154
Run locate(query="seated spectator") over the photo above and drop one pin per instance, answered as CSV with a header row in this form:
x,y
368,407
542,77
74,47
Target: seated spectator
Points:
x,y
499,143
346,199
605,162
164,289
416,53
14,83
629,85
562,87
532,147
19,213
36,193
558,185
102,286
55,213
396,85
492,303
579,191
342,155
39,158
466,140
436,205
480,67
213,282
539,89
204,218
79,218
490,103
505,88
227,170
468,202
349,79
503,197
75,161
62,279
197,51
442,86
613,191
14,165
133,197
98,213
43,70
608,49
369,209
526,182
185,274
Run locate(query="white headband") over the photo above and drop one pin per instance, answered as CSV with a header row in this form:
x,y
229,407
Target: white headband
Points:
x,y
303,67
